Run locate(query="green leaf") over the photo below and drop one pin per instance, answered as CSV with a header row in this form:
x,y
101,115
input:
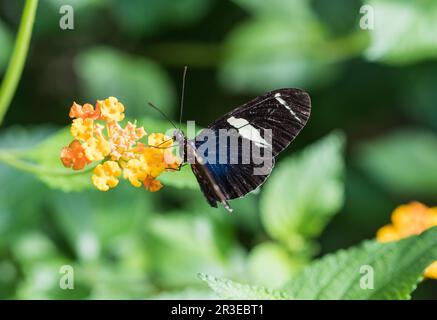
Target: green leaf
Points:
x,y
33,246
191,242
283,45
39,260
46,156
299,8
228,289
271,257
110,281
418,90
6,44
183,179
404,31
304,192
275,7
16,215
139,17
397,269
91,222
37,151
18,138
403,162
283,60
105,72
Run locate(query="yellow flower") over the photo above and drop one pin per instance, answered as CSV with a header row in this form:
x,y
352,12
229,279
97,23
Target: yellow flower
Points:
x,y
135,171
74,156
154,158
159,140
387,233
105,175
97,148
407,220
110,109
82,128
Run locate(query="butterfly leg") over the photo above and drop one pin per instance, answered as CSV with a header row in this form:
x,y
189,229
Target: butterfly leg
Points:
x,y
179,168
165,141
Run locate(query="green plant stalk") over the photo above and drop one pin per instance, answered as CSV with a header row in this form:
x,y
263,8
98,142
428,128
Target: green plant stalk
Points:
x,y
18,58
16,162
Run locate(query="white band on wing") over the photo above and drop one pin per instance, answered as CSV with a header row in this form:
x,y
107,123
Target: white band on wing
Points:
x,y
282,101
247,131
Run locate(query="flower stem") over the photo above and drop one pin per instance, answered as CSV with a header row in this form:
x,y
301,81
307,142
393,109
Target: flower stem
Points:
x,y
16,162
18,58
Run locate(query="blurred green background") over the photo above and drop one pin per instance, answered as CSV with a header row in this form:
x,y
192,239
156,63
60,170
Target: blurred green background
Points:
x,y
370,144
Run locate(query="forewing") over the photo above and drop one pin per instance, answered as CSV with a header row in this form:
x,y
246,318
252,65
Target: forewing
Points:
x,y
284,111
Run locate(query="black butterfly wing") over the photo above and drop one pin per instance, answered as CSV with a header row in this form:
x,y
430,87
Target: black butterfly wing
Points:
x,y
205,185
284,112
237,172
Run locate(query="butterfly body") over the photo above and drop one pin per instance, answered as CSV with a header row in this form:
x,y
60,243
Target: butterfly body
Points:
x,y
236,154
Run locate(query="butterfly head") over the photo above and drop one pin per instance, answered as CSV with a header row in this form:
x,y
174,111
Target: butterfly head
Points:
x,y
178,136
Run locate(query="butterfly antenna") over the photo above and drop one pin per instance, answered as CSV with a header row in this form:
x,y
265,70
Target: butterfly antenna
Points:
x,y
162,113
182,96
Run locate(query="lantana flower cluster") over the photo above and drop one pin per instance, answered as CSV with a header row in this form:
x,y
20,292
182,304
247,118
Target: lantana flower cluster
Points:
x,y
407,220
99,136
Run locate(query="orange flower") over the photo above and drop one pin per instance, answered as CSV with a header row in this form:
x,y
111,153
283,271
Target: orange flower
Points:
x,y
87,111
407,220
119,147
152,184
74,156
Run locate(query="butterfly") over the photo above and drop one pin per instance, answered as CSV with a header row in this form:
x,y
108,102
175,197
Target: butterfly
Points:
x,y
243,143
